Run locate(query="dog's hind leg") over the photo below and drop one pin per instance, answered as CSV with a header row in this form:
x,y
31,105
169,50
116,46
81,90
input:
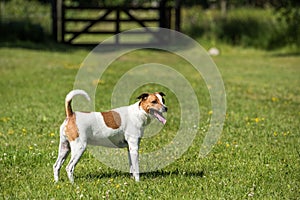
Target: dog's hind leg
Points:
x,y
77,149
63,151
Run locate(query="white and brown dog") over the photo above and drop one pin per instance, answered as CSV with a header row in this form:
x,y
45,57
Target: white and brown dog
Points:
x,y
118,128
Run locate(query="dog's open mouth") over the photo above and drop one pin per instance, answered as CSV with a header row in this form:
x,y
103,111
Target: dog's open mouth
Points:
x,y
159,116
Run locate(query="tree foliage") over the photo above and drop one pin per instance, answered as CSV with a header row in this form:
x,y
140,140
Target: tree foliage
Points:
x,y
289,14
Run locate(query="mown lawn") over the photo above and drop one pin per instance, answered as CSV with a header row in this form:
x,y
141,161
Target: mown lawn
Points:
x,y
257,156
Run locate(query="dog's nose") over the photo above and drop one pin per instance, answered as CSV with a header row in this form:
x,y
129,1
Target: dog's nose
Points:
x,y
165,109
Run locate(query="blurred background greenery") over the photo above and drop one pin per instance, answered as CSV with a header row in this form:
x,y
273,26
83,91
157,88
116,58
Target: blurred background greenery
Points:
x,y
265,24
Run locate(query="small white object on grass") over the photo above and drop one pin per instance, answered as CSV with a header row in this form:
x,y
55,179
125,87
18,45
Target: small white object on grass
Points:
x,y
214,51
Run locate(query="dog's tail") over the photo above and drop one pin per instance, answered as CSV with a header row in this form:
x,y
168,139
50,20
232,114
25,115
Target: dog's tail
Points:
x,y
69,97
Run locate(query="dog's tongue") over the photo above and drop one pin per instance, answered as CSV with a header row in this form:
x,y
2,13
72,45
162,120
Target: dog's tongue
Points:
x,y
160,117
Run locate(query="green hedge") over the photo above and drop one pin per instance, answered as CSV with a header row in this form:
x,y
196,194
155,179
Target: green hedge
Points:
x,y
21,30
25,21
242,26
247,27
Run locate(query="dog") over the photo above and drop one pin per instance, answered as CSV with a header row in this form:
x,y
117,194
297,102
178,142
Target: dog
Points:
x,y
118,128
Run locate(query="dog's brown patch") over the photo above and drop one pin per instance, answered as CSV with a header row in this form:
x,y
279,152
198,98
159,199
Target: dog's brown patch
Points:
x,y
112,119
71,129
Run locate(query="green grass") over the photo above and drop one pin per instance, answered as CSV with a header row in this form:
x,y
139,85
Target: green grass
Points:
x,y
256,157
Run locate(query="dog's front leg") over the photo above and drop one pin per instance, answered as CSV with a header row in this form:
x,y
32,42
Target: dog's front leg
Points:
x,y
130,163
133,146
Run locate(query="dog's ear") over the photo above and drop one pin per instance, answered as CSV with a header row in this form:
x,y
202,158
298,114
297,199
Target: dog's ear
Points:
x,y
162,94
143,96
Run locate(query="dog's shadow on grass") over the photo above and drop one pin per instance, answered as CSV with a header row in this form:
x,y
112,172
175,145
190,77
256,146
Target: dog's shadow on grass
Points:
x,y
148,175
174,173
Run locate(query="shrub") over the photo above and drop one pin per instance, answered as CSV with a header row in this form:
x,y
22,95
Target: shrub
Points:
x,y
24,20
21,30
200,23
247,27
241,26
291,17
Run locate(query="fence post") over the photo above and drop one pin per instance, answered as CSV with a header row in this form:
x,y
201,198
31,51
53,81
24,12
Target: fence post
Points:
x,y
57,19
162,14
177,15
118,25
54,19
61,17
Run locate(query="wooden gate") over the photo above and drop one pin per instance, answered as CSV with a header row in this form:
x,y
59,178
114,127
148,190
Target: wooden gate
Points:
x,y
89,25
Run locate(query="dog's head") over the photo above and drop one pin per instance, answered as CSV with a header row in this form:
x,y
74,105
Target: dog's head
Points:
x,y
154,104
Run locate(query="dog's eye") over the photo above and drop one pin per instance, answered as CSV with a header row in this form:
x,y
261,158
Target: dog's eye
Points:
x,y
154,102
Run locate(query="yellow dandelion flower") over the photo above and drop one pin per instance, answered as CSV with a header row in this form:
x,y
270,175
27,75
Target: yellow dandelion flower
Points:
x,y
274,99
285,133
256,119
5,119
98,82
30,147
71,66
24,131
52,134
210,112
275,133
11,131
227,145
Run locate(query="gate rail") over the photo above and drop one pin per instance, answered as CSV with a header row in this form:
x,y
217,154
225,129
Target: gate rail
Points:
x,y
115,15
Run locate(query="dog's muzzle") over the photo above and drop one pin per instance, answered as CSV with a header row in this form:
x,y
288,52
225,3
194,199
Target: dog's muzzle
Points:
x,y
159,116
